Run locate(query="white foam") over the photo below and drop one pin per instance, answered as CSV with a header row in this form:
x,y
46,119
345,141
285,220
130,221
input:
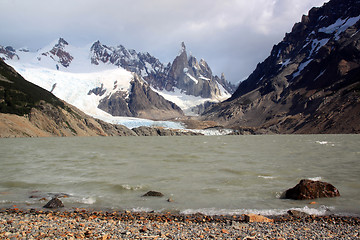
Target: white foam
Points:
x,y
315,179
266,177
87,200
322,210
128,187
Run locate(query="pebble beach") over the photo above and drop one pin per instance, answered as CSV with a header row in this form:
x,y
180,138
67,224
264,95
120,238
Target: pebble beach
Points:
x,y
86,224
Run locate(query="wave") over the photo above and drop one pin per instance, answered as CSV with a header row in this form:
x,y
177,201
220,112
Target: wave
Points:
x,y
266,177
315,178
126,187
322,210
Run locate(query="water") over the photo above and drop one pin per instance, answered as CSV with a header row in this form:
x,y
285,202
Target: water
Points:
x,y
208,174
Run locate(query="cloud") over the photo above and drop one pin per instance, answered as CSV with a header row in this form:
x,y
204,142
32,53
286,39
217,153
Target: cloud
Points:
x,y
232,35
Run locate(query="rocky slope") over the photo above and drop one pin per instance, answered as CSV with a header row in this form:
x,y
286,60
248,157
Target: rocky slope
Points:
x,y
310,83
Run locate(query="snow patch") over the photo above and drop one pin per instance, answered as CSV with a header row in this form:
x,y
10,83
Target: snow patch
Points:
x,y
301,67
340,26
192,78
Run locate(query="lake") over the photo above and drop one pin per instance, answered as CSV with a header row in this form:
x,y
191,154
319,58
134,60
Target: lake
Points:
x,y
207,174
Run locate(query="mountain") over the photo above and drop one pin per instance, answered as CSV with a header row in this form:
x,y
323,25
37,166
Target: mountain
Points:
x,y
27,110
310,83
185,73
119,81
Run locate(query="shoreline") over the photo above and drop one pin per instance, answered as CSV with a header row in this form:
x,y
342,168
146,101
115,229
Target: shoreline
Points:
x,y
84,223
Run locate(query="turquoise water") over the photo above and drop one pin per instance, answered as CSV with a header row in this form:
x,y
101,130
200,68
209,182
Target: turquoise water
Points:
x,y
208,174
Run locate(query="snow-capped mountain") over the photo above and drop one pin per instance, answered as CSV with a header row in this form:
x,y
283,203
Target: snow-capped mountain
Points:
x,y
119,81
310,82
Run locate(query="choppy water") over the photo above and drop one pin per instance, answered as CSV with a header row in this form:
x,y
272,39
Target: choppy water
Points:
x,y
208,174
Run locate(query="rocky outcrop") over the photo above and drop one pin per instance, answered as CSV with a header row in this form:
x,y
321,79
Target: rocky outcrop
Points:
x,y
308,189
309,84
59,54
158,131
7,53
141,102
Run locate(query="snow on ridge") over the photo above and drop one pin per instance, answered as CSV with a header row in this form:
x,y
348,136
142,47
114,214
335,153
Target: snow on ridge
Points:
x,y
340,26
192,78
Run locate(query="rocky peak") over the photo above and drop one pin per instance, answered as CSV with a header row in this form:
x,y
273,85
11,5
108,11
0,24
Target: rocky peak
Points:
x,y
59,54
61,43
7,53
311,74
193,77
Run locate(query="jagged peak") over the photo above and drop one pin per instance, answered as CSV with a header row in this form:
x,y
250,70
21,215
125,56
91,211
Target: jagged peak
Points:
x,y
61,43
182,49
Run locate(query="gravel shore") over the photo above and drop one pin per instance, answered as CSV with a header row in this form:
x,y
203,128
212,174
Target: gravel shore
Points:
x,y
84,224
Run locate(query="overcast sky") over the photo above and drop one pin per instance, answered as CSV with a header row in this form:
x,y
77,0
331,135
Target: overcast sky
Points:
x,y
231,35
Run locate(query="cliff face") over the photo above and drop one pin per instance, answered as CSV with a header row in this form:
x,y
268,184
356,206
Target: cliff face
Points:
x,y
311,81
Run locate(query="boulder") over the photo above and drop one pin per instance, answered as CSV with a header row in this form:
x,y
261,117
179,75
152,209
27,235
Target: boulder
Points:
x,y
54,203
153,194
257,218
296,213
308,189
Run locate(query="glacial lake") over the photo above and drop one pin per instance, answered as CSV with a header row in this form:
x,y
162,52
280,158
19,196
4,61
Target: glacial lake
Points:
x,y
207,174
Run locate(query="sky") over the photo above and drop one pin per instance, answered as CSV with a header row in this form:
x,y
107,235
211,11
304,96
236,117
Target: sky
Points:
x,y
231,35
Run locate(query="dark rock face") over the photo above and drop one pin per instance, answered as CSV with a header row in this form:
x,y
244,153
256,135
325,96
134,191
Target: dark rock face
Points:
x,y
54,203
158,131
308,189
141,102
195,78
59,54
8,53
310,82
153,194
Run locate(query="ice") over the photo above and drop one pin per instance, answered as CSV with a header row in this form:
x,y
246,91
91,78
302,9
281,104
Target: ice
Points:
x,y
185,102
131,122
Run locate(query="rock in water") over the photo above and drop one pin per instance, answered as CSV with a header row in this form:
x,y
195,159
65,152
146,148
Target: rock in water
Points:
x,y
153,194
54,203
308,189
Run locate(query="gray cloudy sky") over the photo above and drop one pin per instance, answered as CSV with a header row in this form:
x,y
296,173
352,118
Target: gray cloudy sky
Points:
x,y
231,35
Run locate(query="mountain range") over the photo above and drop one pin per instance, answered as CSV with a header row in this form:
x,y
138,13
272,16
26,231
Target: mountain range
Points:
x,y
310,83
108,81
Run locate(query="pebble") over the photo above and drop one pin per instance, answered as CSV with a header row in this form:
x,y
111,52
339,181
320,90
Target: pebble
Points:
x,y
79,224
